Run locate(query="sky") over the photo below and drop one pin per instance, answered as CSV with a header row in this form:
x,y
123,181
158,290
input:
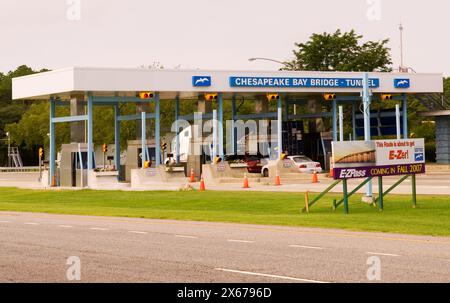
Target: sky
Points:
x,y
210,34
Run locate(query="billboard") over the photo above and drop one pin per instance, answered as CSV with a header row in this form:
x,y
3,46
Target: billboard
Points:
x,y
363,159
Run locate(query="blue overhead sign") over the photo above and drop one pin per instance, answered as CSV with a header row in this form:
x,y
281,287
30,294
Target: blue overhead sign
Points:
x,y
201,81
402,83
301,82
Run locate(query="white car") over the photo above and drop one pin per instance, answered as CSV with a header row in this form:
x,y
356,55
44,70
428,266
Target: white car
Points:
x,y
306,165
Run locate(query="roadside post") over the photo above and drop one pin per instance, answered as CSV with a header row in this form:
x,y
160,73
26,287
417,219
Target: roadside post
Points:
x,y
307,202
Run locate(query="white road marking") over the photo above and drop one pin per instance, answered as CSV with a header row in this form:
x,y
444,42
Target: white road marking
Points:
x,y
382,254
268,275
65,226
240,241
5,222
98,228
137,232
31,223
307,247
187,237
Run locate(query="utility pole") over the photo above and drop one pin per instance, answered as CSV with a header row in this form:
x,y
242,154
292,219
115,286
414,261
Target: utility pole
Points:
x,y
402,68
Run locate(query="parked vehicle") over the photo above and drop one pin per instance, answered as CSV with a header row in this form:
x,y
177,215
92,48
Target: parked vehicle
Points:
x,y
306,165
254,163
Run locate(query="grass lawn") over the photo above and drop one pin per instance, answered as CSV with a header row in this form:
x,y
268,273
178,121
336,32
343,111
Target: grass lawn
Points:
x,y
432,217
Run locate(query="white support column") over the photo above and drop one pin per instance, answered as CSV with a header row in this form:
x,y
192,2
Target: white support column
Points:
x,y
280,128
90,112
214,143
397,120
367,137
341,123
157,130
143,139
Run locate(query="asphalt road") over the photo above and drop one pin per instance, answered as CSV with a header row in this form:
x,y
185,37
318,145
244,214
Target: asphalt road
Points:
x,y
436,183
35,248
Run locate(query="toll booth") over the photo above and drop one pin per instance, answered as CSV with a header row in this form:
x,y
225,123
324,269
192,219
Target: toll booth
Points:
x,y
279,96
134,156
73,166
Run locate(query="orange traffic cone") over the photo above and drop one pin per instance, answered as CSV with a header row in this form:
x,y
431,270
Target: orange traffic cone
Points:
x,y
246,181
202,184
54,181
331,171
315,178
192,178
277,179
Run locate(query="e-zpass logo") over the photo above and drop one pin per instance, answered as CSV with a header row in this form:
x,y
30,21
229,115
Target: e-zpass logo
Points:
x,y
352,173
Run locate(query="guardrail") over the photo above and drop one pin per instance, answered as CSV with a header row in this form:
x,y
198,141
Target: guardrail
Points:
x,y
28,169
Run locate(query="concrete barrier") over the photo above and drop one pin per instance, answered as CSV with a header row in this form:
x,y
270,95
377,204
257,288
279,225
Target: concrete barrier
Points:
x,y
288,172
222,173
20,179
157,176
284,167
104,180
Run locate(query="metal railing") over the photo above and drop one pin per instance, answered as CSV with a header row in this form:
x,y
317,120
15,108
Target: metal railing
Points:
x,y
28,169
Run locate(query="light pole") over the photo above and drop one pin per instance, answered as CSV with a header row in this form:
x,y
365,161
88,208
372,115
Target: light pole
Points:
x,y
288,65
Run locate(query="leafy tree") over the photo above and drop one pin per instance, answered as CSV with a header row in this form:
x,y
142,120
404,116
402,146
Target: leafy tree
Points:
x,y
447,89
10,111
341,52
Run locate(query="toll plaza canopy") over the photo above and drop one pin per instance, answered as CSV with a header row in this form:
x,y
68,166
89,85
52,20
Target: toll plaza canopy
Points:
x,y
111,86
188,83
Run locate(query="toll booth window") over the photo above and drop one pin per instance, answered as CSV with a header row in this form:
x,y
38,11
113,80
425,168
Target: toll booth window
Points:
x,y
84,156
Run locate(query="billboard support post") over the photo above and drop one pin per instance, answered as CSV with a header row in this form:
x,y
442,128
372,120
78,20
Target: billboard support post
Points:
x,y
337,204
380,193
344,186
414,190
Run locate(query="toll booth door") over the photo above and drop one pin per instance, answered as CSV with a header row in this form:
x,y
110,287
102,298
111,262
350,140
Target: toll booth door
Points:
x,y
75,163
77,166
312,145
293,138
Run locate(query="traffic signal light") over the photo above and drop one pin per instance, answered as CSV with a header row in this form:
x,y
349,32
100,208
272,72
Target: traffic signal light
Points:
x,y
104,148
385,97
273,96
329,97
164,146
146,95
41,153
211,97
